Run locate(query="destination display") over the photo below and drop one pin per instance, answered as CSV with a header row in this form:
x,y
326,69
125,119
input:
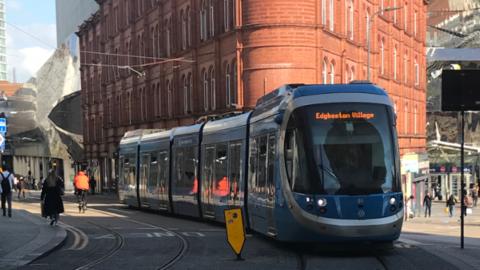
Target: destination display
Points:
x,y
341,115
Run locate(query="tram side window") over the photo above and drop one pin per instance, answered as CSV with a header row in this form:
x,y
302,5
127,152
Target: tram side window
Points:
x,y
235,169
252,166
153,177
272,140
208,170
120,171
296,164
133,162
289,148
221,162
189,167
179,167
126,170
144,172
163,165
262,164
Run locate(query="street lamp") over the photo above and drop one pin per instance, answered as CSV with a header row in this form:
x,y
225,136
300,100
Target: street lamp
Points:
x,y
127,67
368,36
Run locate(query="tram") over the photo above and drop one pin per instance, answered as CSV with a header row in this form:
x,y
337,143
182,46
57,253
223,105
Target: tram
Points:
x,y
311,163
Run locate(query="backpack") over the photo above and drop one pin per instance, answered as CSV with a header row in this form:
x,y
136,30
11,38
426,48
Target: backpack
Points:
x,y
6,184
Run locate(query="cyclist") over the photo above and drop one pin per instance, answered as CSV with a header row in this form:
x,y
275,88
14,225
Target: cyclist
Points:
x,y
82,186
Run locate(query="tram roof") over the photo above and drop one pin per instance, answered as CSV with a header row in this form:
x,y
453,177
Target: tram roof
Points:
x,y
183,131
227,123
167,134
309,90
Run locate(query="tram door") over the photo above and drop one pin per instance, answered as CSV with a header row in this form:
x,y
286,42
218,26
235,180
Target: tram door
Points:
x,y
162,180
235,171
144,180
208,184
270,185
121,178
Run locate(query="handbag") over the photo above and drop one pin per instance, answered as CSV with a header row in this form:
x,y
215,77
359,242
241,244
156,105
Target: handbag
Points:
x,y
446,209
469,211
42,209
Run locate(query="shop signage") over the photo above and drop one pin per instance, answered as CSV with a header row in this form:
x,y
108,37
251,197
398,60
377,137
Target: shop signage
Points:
x,y
450,169
410,162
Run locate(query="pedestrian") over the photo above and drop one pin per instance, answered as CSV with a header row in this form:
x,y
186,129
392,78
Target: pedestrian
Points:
x,y
93,184
21,187
427,204
474,196
451,205
15,182
436,192
82,186
6,188
52,197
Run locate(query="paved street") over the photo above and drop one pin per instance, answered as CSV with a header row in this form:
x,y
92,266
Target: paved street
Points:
x,y
112,236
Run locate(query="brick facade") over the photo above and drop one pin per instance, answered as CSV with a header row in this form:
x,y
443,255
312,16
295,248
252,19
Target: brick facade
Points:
x,y
252,47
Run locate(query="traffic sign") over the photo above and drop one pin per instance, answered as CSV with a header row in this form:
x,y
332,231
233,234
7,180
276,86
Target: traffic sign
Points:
x,y
235,230
454,169
442,169
3,125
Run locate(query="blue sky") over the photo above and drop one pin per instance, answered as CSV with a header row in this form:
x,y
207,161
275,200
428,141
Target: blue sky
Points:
x,y
26,54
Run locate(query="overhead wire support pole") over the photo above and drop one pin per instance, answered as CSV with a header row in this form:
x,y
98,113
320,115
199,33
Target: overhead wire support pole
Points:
x,y
463,191
368,36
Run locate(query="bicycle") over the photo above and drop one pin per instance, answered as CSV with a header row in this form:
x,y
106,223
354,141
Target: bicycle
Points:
x,y
82,205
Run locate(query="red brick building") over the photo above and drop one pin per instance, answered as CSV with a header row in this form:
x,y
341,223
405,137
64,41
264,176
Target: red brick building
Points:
x,y
196,57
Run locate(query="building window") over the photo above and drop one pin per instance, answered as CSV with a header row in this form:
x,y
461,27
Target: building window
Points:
x,y
235,87
415,23
205,90
406,68
129,108
94,131
116,19
346,75
351,19
395,62
346,17
167,39
191,92
395,12
383,57
227,84
332,73
170,109
324,72
417,73
381,5
352,74
107,27
203,22
159,90
234,13
184,31
139,7
185,95
155,100
142,105
119,110
212,21
332,9
212,85
324,11
406,119
226,15
127,11
415,122
406,18
189,28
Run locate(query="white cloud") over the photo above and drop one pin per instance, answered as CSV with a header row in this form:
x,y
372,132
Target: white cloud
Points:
x,y
12,5
27,61
26,53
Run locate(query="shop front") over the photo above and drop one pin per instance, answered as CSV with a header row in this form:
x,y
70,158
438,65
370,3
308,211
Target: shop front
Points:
x,y
415,178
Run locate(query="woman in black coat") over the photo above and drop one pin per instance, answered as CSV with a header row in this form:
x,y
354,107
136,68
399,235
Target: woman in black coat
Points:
x,y
52,197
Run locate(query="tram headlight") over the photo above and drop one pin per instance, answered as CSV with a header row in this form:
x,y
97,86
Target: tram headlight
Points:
x,y
308,199
322,202
392,200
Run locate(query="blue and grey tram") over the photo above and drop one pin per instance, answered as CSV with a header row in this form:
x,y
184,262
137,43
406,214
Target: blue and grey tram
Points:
x,y
311,163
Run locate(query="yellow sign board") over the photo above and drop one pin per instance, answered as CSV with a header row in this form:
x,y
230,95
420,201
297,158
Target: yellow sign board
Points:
x,y
235,229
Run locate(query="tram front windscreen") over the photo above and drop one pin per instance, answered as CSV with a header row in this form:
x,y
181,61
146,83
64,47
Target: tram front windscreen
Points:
x,y
342,149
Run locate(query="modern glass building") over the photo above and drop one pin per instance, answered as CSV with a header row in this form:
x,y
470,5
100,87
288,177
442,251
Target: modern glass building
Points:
x,y
3,42
71,14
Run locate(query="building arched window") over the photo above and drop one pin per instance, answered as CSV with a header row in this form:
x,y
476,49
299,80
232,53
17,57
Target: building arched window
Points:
x,y
417,73
415,23
159,91
100,125
395,62
234,13
415,122
235,86
227,84
185,95
184,31
144,105
352,74
167,38
203,21
189,27
394,12
351,19
154,43
324,12
406,118
332,10
346,17
190,95
324,73
212,85
212,19
94,129
406,68
170,97
226,15
205,90
129,100
346,75
332,73
119,110
155,100
405,8
382,51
